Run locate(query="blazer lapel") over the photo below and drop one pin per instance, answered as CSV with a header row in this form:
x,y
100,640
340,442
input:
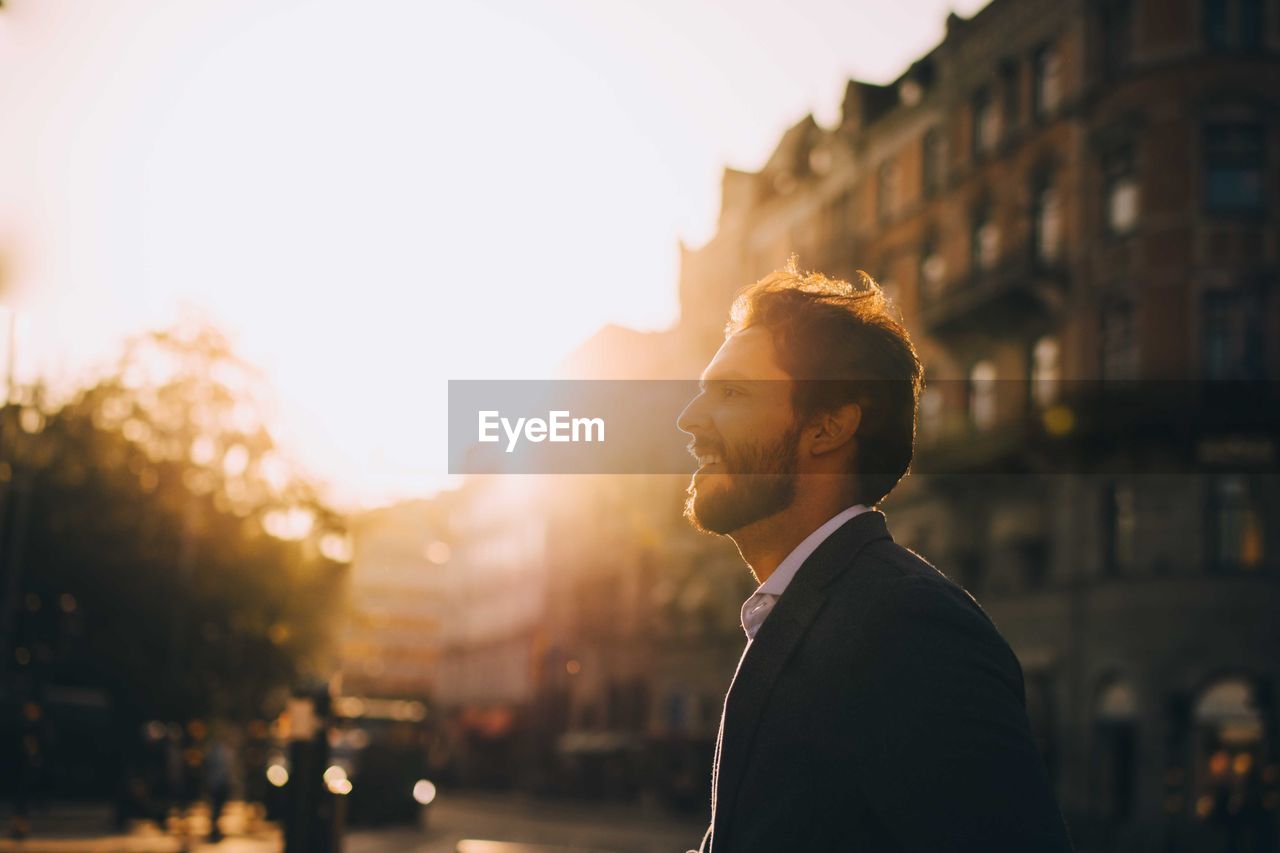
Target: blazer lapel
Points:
x,y
764,658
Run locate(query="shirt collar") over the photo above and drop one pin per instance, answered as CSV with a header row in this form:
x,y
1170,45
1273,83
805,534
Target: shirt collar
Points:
x,y
777,583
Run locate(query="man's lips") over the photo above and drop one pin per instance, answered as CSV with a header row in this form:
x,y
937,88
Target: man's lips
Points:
x,y
707,459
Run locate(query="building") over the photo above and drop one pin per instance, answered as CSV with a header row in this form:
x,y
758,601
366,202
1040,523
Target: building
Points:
x,y
390,647
493,568
1073,204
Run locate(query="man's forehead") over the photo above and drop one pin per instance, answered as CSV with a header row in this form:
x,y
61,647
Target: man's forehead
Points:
x,y
748,354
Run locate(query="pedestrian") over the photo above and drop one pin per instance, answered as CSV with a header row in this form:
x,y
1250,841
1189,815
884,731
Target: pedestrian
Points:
x,y
217,778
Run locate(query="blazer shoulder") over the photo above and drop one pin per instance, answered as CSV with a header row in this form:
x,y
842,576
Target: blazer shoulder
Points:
x,y
889,569
888,584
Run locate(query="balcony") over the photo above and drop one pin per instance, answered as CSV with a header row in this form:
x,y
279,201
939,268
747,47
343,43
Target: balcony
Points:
x,y
1097,427
1019,292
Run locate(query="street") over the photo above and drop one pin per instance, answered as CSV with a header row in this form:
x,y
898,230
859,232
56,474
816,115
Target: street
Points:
x,y
575,826
568,826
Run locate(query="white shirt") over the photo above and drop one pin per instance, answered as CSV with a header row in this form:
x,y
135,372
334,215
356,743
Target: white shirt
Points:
x,y
758,607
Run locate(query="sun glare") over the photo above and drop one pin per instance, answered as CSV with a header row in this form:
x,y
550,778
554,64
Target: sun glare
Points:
x,y
371,201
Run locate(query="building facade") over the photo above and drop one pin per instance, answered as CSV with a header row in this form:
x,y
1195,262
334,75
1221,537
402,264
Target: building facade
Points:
x,y
1074,205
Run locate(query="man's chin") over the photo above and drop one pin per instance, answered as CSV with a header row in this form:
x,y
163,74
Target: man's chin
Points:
x,y
716,504
701,510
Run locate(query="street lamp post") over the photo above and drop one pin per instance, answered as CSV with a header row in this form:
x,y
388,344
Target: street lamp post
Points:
x,y
309,824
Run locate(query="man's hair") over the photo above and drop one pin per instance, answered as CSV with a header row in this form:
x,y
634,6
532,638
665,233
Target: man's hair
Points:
x,y
842,343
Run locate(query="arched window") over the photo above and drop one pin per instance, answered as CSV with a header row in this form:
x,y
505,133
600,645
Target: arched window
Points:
x,y
933,269
1229,750
1115,750
982,395
934,161
1236,524
1046,370
888,190
1046,221
1119,528
1047,90
1123,196
985,116
984,239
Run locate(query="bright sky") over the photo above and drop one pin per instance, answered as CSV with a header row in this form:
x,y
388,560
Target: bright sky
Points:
x,y
372,198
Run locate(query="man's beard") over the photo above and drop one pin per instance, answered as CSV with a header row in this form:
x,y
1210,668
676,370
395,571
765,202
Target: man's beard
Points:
x,y
761,483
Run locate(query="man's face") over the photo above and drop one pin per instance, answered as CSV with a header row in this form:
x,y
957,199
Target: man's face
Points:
x,y
744,436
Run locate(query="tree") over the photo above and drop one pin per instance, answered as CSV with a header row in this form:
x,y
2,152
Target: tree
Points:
x,y
169,553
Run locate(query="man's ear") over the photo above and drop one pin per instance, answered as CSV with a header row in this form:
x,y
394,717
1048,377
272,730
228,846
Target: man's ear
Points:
x,y
834,429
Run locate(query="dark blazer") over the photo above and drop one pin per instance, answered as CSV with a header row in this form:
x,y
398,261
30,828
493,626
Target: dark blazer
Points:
x,y
878,710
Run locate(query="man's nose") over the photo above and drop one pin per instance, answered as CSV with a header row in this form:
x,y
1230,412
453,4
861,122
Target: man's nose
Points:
x,y
692,417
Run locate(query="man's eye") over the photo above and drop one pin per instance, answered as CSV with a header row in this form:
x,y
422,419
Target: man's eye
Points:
x,y
730,392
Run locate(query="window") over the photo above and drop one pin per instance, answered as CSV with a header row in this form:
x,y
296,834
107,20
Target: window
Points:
x,y
985,239
982,395
934,161
1122,193
1011,92
1231,336
1117,36
1046,222
1214,20
887,189
1252,23
1232,24
1115,753
933,269
1046,370
1120,526
986,123
1234,168
1119,344
1047,90
1236,530
1231,722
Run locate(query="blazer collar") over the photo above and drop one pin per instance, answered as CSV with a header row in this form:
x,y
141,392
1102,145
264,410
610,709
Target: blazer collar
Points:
x,y
765,657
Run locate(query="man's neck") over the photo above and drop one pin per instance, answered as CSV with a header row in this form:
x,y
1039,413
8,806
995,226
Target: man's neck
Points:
x,y
767,542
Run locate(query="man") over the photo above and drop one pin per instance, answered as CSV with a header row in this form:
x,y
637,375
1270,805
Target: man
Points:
x,y
876,707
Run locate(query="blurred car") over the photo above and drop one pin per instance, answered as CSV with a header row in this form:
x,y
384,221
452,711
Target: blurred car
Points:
x,y
380,746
